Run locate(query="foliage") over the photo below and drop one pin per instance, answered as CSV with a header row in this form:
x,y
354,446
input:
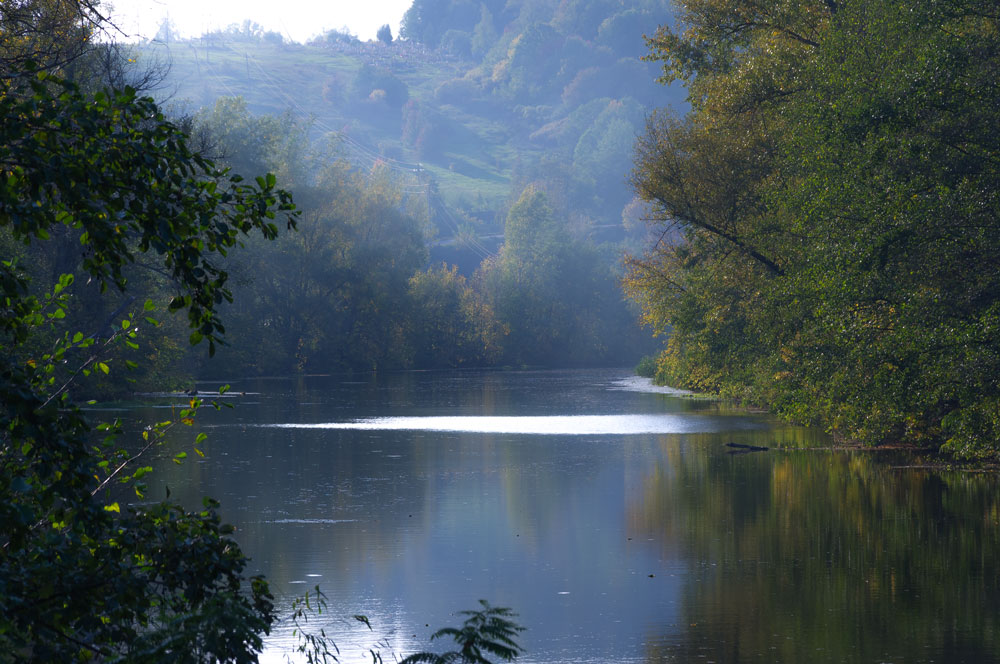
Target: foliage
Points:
x,y
427,20
178,205
384,34
450,325
489,631
333,296
370,79
606,146
484,35
569,134
646,367
553,294
46,34
82,575
533,61
825,202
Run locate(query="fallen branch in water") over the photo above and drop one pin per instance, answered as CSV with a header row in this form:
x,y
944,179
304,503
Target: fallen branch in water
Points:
x,y
743,449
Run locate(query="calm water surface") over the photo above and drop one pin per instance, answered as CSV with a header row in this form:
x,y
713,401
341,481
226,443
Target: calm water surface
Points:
x,y
612,517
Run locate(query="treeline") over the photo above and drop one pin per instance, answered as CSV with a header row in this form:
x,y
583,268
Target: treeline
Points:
x,y
538,113
352,290
828,214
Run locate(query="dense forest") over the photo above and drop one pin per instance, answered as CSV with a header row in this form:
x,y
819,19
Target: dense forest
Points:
x,y
469,209
828,215
462,186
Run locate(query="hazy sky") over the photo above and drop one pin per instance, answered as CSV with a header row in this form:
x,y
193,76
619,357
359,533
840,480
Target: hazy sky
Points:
x,y
297,19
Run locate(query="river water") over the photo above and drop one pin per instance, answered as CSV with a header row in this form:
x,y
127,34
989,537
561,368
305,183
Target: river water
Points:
x,y
612,516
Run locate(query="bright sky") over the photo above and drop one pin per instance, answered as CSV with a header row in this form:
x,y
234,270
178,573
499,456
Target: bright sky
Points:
x,y
296,19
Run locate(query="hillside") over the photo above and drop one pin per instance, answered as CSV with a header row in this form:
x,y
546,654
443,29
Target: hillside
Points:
x,y
555,97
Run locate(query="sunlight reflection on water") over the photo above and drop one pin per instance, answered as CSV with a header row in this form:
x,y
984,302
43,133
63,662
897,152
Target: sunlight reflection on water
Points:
x,y
640,384
562,425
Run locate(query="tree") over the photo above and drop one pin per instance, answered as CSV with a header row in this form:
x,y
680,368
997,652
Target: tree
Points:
x,y
424,21
333,295
84,575
449,323
384,34
49,34
374,84
554,295
825,199
484,35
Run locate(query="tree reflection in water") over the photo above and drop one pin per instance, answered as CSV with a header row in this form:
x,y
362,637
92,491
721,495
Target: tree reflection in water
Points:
x,y
812,556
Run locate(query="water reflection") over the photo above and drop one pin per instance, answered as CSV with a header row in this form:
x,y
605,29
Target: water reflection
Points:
x,y
614,546
824,557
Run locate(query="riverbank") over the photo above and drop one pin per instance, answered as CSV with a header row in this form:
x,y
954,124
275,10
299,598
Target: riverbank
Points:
x,y
931,458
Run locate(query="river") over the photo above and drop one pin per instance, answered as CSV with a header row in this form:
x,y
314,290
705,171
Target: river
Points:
x,y
612,516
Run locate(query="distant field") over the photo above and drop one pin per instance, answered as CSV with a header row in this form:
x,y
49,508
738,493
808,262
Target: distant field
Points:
x,y
273,79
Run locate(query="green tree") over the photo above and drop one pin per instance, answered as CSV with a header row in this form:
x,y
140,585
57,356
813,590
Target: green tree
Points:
x,y
826,198
334,294
554,296
48,34
370,80
531,65
450,325
384,34
82,575
484,35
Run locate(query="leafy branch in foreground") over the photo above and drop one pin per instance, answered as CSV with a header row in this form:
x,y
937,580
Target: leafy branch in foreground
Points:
x,y
82,577
488,631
